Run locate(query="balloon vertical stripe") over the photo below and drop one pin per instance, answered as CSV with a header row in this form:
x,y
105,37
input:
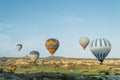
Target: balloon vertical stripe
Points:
x,y
100,48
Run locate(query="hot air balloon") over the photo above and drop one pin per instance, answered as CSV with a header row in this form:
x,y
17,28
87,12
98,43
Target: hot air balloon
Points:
x,y
34,55
100,48
19,46
13,68
52,45
84,41
66,66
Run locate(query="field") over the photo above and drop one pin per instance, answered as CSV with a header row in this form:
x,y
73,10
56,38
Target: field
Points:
x,y
87,67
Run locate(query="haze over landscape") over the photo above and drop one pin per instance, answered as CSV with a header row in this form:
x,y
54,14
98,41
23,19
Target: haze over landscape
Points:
x,y
31,23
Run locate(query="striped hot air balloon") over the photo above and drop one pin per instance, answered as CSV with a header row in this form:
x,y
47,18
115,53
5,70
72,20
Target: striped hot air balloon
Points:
x,y
19,46
34,55
100,48
84,41
52,45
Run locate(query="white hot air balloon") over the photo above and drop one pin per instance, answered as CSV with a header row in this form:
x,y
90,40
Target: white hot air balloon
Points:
x,y
100,48
84,41
34,55
19,46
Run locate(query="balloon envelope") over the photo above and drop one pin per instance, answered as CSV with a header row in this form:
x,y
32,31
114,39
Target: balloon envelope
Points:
x,y
100,48
13,68
19,46
84,41
52,45
34,55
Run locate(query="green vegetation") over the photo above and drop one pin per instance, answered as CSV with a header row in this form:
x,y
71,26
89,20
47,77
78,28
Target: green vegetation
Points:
x,y
82,67
55,68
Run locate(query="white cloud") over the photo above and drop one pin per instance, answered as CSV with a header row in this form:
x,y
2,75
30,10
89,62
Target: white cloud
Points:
x,y
8,28
6,45
72,19
68,20
7,40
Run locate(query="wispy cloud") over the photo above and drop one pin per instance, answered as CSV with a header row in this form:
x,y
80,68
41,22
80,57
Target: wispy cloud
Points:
x,y
8,28
5,44
68,19
71,19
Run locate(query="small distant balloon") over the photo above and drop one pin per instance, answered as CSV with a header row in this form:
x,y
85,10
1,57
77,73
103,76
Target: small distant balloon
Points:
x,y
66,66
84,41
100,48
34,55
13,68
52,45
19,46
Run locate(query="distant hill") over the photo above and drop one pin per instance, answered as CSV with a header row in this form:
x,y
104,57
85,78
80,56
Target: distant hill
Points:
x,y
54,57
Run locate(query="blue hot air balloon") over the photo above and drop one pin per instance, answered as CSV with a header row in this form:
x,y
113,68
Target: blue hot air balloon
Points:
x,y
34,55
19,46
100,48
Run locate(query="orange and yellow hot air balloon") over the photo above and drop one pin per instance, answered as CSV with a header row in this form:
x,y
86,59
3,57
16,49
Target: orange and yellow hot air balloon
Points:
x,y
66,66
13,68
52,45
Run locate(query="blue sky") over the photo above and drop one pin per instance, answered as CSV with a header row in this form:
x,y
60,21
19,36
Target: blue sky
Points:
x,y
32,22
